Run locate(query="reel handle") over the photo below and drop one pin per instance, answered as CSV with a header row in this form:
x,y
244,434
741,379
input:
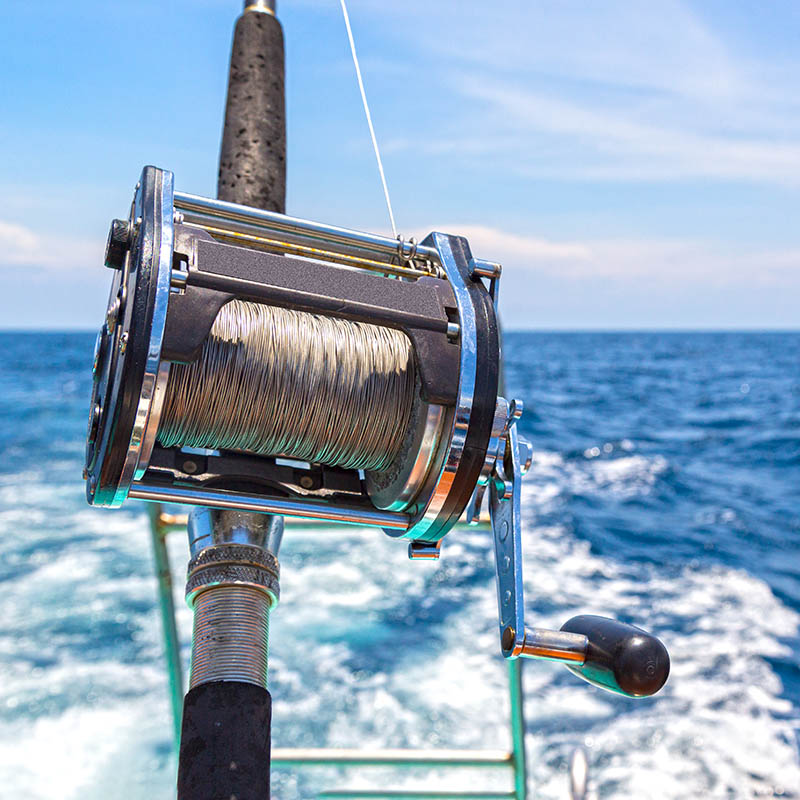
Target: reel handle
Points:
x,y
620,658
610,654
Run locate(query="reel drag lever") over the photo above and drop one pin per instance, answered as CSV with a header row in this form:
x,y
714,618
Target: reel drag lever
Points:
x,y
610,654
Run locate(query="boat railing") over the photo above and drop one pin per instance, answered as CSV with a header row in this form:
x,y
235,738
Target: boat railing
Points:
x,y
162,523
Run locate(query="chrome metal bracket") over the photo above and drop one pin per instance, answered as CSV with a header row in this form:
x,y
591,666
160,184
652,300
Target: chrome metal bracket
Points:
x,y
493,452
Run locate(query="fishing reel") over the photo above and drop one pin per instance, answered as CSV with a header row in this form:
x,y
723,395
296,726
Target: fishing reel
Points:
x,y
391,425
258,362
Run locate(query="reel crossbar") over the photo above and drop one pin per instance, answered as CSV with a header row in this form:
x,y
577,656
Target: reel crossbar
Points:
x,y
314,239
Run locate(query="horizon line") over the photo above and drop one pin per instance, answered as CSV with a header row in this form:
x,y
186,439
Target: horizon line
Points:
x,y
577,329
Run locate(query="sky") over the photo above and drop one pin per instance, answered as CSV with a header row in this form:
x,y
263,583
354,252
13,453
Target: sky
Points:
x,y
633,165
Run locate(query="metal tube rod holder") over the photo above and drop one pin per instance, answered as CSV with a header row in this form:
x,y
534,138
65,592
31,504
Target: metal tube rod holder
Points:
x,y
232,585
611,655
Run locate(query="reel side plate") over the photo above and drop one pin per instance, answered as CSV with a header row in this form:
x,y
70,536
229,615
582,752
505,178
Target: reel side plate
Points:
x,y
129,347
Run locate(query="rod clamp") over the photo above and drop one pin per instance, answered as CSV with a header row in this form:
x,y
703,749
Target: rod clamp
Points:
x,y
232,585
231,564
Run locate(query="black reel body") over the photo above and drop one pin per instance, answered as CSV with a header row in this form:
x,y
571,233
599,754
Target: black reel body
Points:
x,y
190,270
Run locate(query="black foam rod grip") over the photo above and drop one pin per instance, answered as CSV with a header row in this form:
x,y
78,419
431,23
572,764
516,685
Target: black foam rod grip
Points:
x,y
621,658
252,162
225,742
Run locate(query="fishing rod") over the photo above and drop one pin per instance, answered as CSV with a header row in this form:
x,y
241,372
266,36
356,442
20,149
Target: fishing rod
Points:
x,y
256,365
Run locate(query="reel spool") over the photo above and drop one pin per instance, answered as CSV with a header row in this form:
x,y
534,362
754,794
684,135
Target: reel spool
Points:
x,y
254,361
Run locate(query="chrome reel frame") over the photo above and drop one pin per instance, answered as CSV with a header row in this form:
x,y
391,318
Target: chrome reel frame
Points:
x,y
127,369
131,371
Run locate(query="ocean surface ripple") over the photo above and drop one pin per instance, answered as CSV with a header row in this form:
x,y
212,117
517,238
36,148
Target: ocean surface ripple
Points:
x,y
664,491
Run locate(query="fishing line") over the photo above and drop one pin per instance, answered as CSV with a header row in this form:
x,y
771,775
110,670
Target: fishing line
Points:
x,y
273,381
369,116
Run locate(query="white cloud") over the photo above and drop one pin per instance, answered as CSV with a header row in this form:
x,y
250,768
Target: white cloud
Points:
x,y
632,261
17,243
638,283
531,249
21,246
603,143
609,90
659,45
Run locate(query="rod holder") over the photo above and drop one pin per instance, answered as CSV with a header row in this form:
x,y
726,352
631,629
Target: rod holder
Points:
x,y
232,585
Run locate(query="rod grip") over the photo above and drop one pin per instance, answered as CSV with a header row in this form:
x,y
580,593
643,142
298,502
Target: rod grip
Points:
x,y
621,658
225,742
252,162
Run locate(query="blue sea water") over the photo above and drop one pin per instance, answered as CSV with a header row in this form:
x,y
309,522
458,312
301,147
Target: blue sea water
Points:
x,y
664,491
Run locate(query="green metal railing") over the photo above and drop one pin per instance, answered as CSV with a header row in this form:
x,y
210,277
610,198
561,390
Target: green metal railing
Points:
x,y
161,524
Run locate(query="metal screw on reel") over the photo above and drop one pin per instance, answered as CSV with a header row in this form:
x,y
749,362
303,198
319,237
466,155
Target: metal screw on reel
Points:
x,y
99,350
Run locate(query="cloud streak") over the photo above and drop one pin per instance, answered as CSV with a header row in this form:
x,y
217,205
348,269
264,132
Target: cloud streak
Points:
x,y
22,247
649,262
600,144
609,91
638,283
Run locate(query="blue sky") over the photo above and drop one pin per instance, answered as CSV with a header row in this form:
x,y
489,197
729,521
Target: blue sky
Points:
x,y
632,164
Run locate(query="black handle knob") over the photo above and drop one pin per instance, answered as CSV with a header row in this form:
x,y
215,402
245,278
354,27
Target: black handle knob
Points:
x,y
621,658
118,243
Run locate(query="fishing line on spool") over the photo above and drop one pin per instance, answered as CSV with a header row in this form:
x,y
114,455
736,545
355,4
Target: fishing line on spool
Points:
x,y
273,381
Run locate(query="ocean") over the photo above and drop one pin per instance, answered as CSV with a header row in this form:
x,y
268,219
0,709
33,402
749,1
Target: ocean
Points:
x,y
664,491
